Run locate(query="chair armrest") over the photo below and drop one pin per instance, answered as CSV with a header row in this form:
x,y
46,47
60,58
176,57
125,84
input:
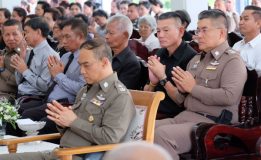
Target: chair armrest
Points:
x,y
11,143
66,153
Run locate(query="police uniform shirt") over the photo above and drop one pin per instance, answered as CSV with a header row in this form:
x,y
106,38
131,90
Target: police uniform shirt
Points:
x,y
220,78
181,57
7,77
104,113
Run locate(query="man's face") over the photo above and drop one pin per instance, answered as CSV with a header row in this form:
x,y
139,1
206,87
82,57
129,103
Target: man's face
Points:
x,y
16,16
39,10
168,33
75,10
12,36
31,35
133,13
101,21
143,11
248,23
2,17
90,66
114,36
71,41
87,10
208,35
124,9
49,19
220,4
256,3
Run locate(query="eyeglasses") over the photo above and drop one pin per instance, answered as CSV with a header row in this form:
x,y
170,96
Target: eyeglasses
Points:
x,y
204,30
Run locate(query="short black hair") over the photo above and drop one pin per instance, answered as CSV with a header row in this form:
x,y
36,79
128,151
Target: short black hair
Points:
x,y
77,25
21,12
38,23
44,5
90,4
55,13
169,15
64,4
76,4
156,2
146,4
31,16
215,14
61,10
256,11
100,13
99,47
12,22
133,4
7,13
82,17
184,16
124,2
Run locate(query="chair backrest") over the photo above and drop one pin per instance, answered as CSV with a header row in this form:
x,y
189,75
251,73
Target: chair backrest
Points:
x,y
135,34
139,49
146,104
248,111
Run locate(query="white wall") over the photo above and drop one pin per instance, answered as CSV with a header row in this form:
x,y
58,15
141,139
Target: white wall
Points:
x,y
9,4
193,7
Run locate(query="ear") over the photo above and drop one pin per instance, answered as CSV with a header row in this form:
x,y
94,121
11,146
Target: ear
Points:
x,y
181,30
39,32
105,61
126,34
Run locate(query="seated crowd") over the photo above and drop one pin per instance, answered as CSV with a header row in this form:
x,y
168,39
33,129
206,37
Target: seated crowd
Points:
x,y
72,66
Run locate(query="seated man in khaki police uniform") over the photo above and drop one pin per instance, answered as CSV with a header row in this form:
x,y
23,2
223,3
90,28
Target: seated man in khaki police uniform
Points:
x,y
211,86
12,33
102,111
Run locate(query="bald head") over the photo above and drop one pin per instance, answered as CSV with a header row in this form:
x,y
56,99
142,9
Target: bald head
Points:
x,y
137,151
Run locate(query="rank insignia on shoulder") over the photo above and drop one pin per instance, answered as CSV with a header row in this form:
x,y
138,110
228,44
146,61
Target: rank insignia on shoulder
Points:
x,y
231,51
121,88
211,68
96,102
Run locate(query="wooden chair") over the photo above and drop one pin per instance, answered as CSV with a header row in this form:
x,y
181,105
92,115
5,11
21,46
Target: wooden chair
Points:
x,y
149,100
211,141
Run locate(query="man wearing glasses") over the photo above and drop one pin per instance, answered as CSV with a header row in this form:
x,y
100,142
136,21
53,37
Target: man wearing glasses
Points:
x,y
211,86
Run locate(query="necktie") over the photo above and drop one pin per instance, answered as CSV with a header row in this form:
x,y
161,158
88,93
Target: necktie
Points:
x,y
50,89
202,56
68,63
30,58
29,62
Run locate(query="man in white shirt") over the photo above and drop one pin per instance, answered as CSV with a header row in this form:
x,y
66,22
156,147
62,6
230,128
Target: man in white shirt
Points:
x,y
250,46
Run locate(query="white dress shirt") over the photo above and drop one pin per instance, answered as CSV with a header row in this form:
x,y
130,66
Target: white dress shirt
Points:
x,y
251,53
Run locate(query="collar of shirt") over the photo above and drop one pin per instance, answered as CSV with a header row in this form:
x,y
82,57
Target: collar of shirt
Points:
x,y
122,55
219,50
40,46
177,54
253,42
108,82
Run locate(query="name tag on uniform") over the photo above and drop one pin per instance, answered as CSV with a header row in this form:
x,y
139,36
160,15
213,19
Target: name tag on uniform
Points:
x,y
211,68
96,102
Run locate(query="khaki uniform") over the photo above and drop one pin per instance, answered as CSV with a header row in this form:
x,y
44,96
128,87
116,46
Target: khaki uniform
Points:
x,y
104,113
8,84
220,78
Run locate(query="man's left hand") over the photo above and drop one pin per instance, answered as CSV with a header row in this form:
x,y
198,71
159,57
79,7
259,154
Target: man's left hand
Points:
x,y
183,79
55,66
18,63
62,116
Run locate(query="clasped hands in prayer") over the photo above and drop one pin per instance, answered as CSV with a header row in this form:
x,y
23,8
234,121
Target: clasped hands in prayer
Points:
x,y
184,80
62,116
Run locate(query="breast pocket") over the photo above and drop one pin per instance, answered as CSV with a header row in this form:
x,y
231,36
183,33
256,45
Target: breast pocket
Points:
x,y
208,78
95,111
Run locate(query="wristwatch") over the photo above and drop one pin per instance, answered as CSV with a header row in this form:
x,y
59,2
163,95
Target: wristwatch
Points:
x,y
163,82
